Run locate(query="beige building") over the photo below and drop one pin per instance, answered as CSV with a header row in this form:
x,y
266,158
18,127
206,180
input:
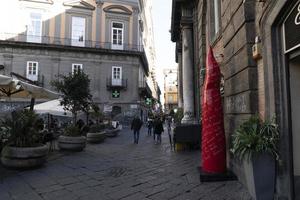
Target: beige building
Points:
x,y
170,89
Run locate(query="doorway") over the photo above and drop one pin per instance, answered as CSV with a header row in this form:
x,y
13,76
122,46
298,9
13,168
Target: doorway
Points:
x,y
294,69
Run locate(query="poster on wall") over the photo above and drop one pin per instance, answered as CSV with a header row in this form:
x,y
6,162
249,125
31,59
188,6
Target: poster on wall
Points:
x,y
291,29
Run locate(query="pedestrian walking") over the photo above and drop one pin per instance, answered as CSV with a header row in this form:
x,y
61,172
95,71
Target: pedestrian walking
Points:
x,y
136,125
169,127
150,126
158,129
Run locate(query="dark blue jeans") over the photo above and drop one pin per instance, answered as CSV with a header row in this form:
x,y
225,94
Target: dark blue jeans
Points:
x,y
136,135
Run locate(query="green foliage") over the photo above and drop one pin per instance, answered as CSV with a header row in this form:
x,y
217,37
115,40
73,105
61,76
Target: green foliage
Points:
x,y
254,137
72,131
97,114
75,89
96,128
178,116
22,129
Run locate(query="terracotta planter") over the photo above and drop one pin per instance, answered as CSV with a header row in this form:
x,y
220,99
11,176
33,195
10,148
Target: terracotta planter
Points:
x,y
95,137
71,143
24,157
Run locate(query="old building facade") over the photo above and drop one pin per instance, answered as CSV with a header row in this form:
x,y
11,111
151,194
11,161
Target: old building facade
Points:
x,y
170,89
102,38
257,46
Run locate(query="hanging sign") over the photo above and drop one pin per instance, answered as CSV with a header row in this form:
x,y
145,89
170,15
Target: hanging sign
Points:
x,y
291,29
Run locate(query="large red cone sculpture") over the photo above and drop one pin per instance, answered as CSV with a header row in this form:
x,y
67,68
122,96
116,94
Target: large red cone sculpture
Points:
x,y
213,136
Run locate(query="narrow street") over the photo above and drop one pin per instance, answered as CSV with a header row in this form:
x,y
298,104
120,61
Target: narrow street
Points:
x,y
118,169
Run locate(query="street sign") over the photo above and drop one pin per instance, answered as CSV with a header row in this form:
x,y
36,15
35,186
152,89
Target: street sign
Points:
x,y
291,29
115,94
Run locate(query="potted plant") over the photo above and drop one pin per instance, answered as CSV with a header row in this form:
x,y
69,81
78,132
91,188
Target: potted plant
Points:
x,y
255,144
72,139
23,148
76,97
96,133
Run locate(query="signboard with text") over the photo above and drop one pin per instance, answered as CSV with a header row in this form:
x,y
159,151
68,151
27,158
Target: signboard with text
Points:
x,y
291,29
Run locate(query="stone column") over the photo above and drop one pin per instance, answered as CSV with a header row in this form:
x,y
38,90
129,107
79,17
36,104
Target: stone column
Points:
x,y
187,65
179,81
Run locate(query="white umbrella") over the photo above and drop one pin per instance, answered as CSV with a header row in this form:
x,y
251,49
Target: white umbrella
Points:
x,y
12,87
53,108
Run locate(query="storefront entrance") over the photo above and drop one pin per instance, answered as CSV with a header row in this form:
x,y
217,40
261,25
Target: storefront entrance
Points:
x,y
294,72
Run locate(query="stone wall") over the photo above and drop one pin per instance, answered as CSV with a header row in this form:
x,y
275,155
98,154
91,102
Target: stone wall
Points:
x,y
239,69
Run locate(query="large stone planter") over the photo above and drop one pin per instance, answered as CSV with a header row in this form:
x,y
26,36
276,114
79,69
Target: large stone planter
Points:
x,y
111,132
95,137
24,157
260,176
71,143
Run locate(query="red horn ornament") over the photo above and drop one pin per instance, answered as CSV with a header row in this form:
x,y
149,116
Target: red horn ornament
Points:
x,y
213,135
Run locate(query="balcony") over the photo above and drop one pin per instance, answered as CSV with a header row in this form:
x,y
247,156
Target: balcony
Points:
x,y
116,84
14,37
144,89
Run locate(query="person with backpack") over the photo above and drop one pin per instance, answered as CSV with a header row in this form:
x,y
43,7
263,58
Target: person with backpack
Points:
x,y
136,125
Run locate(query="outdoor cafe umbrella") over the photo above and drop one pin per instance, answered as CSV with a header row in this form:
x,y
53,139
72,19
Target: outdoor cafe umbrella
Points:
x,y
53,108
12,87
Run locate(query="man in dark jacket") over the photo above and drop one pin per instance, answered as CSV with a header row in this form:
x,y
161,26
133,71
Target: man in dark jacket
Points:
x,y
158,129
136,125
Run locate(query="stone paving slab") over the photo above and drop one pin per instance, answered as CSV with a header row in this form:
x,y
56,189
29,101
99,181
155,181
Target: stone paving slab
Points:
x,y
118,169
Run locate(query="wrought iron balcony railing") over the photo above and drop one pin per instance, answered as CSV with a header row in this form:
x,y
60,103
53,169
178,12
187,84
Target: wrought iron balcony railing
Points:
x,y
116,83
144,89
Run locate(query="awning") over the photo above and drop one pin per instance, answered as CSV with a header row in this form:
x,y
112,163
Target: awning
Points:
x,y
53,108
12,87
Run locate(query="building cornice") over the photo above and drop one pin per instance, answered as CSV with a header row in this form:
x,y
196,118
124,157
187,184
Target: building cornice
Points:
x,y
140,54
117,9
180,9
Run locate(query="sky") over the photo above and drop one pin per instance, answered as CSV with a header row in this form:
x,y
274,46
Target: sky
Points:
x,y
164,47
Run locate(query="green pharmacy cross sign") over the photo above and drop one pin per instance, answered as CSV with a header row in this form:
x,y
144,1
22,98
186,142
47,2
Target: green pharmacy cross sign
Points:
x,y
148,101
115,94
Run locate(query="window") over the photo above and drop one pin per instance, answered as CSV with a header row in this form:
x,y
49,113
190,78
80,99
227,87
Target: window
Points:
x,y
117,35
32,70
34,28
78,31
76,68
170,98
215,18
116,76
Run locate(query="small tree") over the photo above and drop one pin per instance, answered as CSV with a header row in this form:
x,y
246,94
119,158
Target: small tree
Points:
x,y
75,89
96,113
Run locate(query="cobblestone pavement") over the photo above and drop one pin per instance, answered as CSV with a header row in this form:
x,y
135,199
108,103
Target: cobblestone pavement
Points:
x,y
118,169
